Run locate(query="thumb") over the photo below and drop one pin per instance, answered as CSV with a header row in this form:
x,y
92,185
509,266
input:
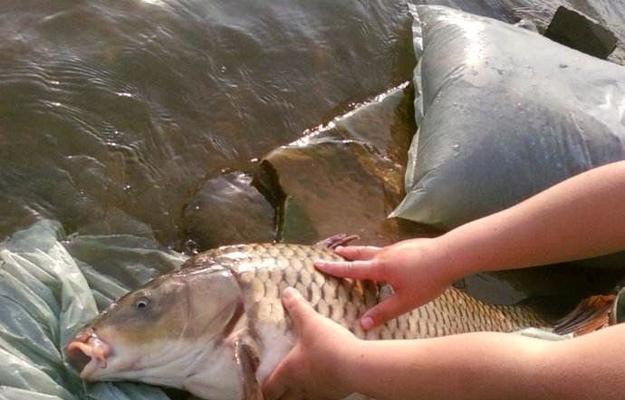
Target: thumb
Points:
x,y
300,311
276,384
390,308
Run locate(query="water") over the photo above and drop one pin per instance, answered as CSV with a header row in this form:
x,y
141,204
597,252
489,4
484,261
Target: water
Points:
x,y
112,113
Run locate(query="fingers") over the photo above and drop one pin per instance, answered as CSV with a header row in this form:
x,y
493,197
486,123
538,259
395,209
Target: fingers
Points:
x,y
292,395
274,386
388,309
357,252
350,269
300,311
361,266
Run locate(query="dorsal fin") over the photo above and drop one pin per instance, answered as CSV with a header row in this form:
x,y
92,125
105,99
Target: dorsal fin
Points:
x,y
590,315
339,239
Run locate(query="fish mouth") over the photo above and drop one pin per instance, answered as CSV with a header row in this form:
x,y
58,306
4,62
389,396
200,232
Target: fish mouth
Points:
x,y
87,353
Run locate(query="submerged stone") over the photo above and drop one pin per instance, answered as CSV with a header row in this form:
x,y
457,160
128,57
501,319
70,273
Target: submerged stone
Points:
x,y
227,210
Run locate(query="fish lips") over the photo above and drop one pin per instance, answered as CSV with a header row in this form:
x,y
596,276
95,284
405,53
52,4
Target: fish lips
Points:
x,y
87,352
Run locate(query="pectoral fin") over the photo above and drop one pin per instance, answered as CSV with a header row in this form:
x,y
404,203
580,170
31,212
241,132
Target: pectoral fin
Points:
x,y
246,358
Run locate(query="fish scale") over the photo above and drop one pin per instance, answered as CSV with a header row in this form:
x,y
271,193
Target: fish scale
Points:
x,y
265,270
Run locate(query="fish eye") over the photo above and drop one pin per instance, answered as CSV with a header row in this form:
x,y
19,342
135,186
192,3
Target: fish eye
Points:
x,y
142,302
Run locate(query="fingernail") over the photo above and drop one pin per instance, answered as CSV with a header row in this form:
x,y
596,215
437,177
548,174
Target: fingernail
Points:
x,y
339,248
321,263
366,323
289,293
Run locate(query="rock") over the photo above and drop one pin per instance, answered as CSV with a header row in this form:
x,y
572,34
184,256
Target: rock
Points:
x,y
228,210
346,176
386,122
527,24
578,31
333,186
296,224
313,188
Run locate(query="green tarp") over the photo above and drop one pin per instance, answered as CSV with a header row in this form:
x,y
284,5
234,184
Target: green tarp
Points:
x,y
45,296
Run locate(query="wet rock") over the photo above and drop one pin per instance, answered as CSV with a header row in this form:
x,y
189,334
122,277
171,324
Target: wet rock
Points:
x,y
228,210
334,186
386,122
527,24
578,31
345,176
296,223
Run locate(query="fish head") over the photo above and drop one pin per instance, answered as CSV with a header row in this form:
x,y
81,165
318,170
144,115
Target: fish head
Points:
x,y
156,333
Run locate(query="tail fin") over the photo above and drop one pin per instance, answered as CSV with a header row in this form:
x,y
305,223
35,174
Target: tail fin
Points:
x,y
590,315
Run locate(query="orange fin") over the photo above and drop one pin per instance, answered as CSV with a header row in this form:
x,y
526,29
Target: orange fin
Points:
x,y
590,315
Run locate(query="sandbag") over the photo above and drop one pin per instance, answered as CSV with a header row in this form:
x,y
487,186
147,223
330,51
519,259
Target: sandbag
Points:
x,y
45,299
503,113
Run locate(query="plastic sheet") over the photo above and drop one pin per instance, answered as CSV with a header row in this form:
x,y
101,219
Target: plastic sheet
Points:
x,y
44,299
503,113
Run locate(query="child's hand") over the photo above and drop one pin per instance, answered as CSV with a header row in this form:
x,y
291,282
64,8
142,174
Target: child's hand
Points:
x,y
314,366
417,269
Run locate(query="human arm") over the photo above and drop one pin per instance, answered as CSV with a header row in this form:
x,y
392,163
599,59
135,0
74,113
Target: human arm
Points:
x,y
489,365
328,362
578,218
581,217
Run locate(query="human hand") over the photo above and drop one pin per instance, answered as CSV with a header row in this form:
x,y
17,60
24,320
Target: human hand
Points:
x,y
313,367
418,270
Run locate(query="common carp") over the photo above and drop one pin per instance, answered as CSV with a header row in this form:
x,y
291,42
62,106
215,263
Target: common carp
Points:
x,y
216,327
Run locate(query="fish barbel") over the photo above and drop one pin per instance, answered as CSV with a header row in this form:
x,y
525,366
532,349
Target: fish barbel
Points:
x,y
217,328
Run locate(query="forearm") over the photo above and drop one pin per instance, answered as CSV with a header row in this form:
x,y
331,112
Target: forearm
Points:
x,y
491,366
579,218
472,366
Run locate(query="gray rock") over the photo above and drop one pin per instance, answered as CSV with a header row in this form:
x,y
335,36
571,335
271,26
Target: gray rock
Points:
x,y
333,186
387,122
228,210
578,31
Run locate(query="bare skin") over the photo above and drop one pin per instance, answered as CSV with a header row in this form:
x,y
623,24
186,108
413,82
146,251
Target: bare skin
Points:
x,y
578,218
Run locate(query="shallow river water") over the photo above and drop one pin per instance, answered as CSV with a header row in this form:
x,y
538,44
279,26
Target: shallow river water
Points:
x,y
113,112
